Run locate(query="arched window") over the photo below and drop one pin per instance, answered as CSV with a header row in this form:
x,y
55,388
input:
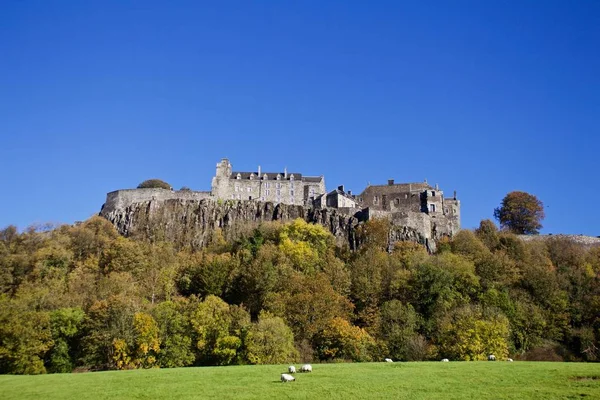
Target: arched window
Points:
x,y
397,201
265,177
252,176
278,177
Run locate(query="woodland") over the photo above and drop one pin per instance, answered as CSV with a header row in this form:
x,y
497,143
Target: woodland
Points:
x,y
84,298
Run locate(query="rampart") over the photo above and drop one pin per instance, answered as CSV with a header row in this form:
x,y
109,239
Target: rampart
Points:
x,y
120,199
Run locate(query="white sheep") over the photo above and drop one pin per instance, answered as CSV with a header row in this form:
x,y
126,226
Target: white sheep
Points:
x,y
491,357
292,369
445,360
389,360
306,368
287,378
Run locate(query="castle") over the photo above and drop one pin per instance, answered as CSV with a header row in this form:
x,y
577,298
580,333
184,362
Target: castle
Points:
x,y
416,209
392,200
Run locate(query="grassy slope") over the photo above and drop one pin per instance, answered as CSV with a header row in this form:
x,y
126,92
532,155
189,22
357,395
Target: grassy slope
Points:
x,y
454,380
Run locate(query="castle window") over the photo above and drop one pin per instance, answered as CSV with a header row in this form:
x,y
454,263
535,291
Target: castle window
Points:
x,y
278,192
375,200
262,198
268,192
239,176
291,177
267,185
249,189
237,188
446,211
291,192
265,177
291,200
239,196
233,196
432,194
278,185
397,201
251,176
406,195
278,177
432,207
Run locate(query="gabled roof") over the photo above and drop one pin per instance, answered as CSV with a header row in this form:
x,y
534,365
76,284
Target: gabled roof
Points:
x,y
272,176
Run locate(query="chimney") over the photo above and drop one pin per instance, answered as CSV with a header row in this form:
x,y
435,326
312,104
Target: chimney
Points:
x,y
455,195
437,187
349,192
285,173
341,187
390,182
259,172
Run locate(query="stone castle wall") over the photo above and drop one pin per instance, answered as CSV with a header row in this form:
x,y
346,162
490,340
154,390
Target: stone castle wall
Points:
x,y
121,199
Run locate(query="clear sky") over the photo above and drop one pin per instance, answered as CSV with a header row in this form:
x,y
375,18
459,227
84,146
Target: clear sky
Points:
x,y
482,97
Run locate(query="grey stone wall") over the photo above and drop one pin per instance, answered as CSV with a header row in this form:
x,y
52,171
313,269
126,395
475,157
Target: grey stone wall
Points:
x,y
120,199
267,187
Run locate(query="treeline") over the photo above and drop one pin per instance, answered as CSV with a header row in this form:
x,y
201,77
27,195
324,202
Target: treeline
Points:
x,y
79,298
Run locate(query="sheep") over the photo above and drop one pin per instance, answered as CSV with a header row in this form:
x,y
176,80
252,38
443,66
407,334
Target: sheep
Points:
x,y
292,369
445,360
510,360
491,357
306,368
389,360
287,378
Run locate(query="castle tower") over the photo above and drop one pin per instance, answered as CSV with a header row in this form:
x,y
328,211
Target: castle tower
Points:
x,y
220,182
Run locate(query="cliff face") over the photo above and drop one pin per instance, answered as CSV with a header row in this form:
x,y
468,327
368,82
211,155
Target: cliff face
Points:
x,y
193,222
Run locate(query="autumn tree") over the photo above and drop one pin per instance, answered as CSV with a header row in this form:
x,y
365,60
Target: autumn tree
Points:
x,y
270,341
342,340
521,213
154,184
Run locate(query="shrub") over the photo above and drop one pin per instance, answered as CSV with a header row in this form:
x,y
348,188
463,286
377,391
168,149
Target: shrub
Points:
x,y
154,184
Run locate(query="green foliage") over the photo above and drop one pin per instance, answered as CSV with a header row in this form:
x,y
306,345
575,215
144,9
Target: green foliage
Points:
x,y
341,340
218,330
175,335
398,328
521,213
270,341
466,334
25,338
66,324
84,298
154,184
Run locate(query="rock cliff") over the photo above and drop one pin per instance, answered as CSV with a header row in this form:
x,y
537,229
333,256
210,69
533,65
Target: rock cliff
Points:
x,y
193,222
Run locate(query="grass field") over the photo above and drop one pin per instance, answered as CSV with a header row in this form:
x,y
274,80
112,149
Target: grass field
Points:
x,y
454,380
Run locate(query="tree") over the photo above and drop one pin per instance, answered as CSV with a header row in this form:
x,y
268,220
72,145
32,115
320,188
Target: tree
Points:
x,y
154,184
342,340
521,213
270,341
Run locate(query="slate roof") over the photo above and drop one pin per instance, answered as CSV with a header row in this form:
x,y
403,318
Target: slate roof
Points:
x,y
272,176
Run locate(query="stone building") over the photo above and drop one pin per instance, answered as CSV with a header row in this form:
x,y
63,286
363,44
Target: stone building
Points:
x,y
337,198
277,187
411,199
417,211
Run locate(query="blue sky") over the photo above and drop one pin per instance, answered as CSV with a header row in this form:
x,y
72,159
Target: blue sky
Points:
x,y
482,97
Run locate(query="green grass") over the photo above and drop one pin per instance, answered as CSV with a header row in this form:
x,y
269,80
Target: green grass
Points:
x,y
454,380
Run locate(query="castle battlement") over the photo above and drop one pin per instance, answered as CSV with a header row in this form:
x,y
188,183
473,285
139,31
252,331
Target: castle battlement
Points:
x,y
417,206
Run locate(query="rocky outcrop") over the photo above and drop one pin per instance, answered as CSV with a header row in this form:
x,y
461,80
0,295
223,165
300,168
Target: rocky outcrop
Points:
x,y
193,223
589,241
